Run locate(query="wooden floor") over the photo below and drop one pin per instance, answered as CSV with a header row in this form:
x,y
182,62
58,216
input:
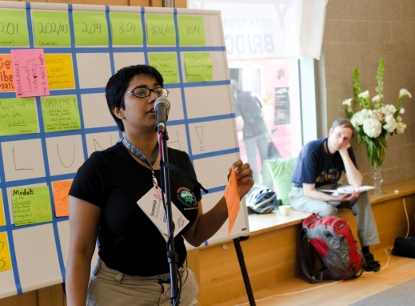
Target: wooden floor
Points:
x,y
395,270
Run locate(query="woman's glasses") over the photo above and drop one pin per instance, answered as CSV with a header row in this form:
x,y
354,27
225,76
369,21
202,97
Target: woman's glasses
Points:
x,y
143,92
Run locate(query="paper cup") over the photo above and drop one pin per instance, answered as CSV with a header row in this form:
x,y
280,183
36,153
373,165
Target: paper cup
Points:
x,y
284,209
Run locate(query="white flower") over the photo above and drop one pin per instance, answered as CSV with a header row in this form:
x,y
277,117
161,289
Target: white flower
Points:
x,y
348,102
364,94
390,124
372,127
388,109
402,111
398,119
376,98
403,93
400,127
359,117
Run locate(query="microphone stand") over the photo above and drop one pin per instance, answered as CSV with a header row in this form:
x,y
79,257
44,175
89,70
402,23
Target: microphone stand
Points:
x,y
171,252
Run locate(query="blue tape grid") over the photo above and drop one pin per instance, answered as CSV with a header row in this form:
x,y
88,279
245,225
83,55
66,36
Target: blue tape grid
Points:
x,y
84,131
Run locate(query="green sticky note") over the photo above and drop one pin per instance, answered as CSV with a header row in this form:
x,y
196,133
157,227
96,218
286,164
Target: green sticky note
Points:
x,y
90,29
166,64
31,205
51,29
18,116
191,31
160,30
60,113
126,29
198,67
13,28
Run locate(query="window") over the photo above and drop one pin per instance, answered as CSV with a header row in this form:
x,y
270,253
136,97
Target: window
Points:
x,y
264,63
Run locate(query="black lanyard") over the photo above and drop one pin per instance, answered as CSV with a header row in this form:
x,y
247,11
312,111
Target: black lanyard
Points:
x,y
137,153
331,162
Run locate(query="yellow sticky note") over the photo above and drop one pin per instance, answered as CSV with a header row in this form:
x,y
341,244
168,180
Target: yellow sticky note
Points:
x,y
5,260
59,69
232,200
60,197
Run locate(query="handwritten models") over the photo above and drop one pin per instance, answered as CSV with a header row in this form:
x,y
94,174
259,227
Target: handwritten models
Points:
x,y
30,77
31,205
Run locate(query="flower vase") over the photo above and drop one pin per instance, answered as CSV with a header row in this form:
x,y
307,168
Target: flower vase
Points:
x,y
377,180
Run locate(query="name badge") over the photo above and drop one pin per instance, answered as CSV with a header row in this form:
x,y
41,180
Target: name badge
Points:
x,y
152,205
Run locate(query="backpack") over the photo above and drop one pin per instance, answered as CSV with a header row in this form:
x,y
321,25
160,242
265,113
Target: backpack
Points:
x,y
404,247
332,240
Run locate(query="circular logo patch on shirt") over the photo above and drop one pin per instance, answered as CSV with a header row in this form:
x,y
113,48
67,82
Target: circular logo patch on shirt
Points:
x,y
186,197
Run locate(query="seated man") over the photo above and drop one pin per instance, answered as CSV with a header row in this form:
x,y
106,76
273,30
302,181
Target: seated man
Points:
x,y
319,166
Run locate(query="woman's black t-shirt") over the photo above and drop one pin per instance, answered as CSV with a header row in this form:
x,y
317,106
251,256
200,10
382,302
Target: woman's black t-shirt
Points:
x,y
127,240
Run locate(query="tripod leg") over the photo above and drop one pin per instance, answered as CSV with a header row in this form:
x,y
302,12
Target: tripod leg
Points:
x,y
245,276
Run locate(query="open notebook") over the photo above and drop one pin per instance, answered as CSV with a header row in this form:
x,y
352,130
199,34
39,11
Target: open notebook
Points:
x,y
348,189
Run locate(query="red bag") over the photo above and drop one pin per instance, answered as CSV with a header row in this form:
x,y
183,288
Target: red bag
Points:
x,y
333,241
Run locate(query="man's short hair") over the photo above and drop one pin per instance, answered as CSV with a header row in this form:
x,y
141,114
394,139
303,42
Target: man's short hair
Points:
x,y
344,123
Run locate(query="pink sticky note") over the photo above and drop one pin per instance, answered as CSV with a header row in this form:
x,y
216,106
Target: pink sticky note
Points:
x,y
30,77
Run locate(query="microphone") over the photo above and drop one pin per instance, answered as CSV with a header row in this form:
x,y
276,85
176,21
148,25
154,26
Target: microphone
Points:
x,y
162,107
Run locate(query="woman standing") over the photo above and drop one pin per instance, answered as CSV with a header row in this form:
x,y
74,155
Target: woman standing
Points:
x,y
106,201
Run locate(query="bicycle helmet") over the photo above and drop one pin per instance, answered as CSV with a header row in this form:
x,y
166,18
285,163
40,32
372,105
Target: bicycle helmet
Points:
x,y
262,201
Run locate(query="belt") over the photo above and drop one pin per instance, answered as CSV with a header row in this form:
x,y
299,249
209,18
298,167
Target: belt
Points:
x,y
166,280
297,185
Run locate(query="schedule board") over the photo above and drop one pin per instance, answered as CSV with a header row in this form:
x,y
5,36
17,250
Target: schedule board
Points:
x,y
55,60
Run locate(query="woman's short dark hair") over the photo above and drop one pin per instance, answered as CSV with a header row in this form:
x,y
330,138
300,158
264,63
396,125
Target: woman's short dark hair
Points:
x,y
119,82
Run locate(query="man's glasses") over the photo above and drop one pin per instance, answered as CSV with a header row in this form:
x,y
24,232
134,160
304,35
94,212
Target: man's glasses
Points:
x,y
143,92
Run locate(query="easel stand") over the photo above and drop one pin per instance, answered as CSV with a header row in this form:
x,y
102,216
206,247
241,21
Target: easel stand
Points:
x,y
245,276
